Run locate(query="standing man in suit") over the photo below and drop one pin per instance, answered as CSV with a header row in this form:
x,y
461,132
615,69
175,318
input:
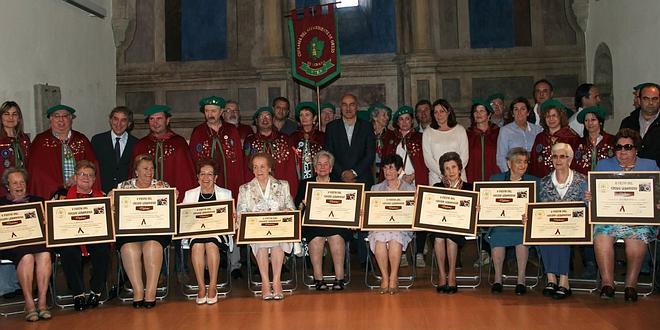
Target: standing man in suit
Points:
x,y
114,148
351,140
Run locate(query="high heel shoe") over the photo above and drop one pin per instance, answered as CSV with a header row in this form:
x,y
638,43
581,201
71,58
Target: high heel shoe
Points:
x,y
630,294
149,304
452,289
383,290
138,304
441,288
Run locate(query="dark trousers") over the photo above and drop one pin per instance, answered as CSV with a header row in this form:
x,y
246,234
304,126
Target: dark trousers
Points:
x,y
71,257
420,241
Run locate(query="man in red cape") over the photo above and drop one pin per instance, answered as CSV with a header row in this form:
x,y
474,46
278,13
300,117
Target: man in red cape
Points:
x,y
220,142
174,163
267,139
55,153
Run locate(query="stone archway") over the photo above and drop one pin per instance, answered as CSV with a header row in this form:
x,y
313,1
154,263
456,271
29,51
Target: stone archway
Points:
x,y
603,77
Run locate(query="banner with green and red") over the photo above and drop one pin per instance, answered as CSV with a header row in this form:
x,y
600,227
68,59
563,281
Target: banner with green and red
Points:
x,y
315,57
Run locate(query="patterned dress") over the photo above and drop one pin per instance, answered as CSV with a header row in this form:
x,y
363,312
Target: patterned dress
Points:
x,y
587,154
402,237
279,147
306,146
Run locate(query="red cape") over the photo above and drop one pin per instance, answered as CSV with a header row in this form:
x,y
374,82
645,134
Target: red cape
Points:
x,y
415,154
278,146
179,169
231,166
316,144
540,159
489,159
45,169
583,157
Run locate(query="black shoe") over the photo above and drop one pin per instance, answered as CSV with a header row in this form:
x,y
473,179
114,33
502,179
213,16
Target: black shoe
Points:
x,y
149,304
93,300
138,304
496,288
441,288
320,285
607,292
338,285
521,289
452,289
550,289
13,294
561,293
79,303
236,274
630,294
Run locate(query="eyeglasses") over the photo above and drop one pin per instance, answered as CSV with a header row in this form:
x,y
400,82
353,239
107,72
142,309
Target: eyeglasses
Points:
x,y
87,175
61,116
627,147
560,156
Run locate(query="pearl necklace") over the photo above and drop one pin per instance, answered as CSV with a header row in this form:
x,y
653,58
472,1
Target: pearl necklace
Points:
x,y
207,198
568,181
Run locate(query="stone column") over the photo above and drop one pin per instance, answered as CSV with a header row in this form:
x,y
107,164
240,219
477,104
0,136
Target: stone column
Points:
x,y
272,29
420,26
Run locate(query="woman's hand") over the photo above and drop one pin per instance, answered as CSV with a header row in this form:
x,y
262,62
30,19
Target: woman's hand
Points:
x,y
409,178
587,196
524,218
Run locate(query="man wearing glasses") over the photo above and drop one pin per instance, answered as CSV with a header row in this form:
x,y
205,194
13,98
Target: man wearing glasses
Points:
x,y
645,121
55,153
232,115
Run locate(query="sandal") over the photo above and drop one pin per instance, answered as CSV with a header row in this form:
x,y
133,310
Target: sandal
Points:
x,y
338,285
44,314
320,285
32,316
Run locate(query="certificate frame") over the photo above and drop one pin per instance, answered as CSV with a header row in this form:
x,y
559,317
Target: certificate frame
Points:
x,y
586,230
471,196
369,197
291,237
51,211
596,179
230,211
483,195
38,209
170,230
311,203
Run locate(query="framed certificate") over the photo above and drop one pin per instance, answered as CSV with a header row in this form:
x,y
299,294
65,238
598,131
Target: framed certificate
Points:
x,y
269,227
333,204
21,224
502,203
145,212
445,210
557,224
79,221
205,219
625,198
388,210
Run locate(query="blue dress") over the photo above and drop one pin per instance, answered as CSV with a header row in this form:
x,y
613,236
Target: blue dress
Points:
x,y
503,236
644,233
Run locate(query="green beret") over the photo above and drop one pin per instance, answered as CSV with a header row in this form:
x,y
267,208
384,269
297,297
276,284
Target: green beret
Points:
x,y
495,96
311,106
262,109
59,107
596,110
328,105
364,115
552,103
404,109
156,108
477,101
211,100
380,106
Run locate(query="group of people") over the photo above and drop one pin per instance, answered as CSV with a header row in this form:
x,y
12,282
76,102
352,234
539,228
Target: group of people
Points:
x,y
266,167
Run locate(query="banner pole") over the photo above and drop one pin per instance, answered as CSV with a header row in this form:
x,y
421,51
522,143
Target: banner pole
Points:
x,y
318,104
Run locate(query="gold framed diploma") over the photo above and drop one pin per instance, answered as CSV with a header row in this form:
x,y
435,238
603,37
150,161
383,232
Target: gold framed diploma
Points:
x,y
269,227
79,221
445,210
388,210
625,197
21,224
333,204
502,203
207,219
145,211
557,224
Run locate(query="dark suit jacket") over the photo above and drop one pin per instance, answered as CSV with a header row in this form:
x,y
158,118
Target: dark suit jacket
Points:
x,y
112,172
651,142
359,156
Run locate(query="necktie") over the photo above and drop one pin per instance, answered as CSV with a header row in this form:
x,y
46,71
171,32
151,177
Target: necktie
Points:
x,y
117,149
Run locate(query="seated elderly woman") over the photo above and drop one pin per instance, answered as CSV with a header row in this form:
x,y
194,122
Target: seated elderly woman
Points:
x,y
317,236
206,251
266,194
84,178
502,237
636,238
29,258
446,245
561,185
388,245
139,251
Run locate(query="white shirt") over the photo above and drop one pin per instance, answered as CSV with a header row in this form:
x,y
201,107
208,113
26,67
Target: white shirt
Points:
x,y
123,139
575,125
435,143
